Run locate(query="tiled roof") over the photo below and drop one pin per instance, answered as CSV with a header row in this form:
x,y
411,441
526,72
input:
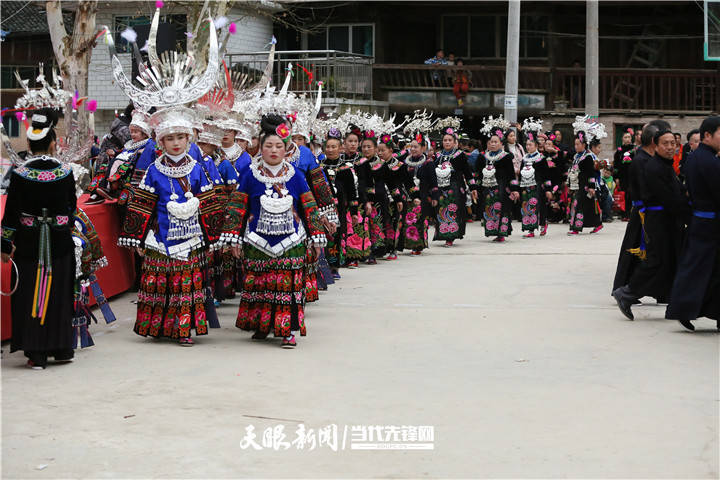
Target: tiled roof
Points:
x,y
27,17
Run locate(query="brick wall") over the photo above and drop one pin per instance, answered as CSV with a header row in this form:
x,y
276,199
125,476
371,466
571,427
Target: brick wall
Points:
x,y
253,33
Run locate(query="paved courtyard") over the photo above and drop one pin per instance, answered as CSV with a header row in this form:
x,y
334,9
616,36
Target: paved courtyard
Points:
x,y
515,354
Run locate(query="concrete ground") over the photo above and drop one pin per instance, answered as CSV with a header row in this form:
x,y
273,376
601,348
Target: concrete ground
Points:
x,y
516,354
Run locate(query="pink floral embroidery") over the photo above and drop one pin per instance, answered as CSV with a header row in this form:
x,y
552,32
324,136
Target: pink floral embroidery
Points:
x,y
46,176
27,221
412,233
62,219
355,242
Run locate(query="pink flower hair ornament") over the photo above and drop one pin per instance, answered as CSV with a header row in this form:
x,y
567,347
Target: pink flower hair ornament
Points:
x,y
283,132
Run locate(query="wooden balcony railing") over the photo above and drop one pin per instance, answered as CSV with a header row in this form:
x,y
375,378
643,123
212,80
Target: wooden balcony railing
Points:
x,y
487,78
662,90
344,74
648,90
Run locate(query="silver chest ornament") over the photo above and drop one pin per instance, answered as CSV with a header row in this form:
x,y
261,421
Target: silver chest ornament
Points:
x,y
488,174
574,178
276,213
183,217
527,176
443,173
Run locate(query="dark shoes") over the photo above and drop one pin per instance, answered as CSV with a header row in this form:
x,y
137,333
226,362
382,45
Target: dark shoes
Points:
x,y
624,301
258,335
687,324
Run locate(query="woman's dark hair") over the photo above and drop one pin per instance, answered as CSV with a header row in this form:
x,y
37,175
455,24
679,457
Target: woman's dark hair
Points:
x,y
582,136
356,134
369,139
268,125
43,144
594,142
51,119
506,135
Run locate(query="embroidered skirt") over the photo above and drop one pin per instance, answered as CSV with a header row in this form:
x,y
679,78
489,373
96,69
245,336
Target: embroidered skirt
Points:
x,y
273,294
414,234
357,240
229,271
448,217
378,219
584,212
529,208
335,249
171,300
311,281
495,217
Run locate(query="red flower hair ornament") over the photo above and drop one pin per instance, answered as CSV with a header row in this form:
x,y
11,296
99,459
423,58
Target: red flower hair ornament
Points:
x,y
283,132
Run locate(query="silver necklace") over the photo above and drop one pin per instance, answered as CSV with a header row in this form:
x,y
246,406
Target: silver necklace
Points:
x,y
130,145
255,168
413,163
175,171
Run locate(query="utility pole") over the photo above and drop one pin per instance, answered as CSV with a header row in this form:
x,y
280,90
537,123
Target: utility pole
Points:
x,y
512,61
592,51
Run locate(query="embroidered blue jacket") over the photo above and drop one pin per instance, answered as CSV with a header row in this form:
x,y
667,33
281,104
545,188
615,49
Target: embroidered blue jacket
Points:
x,y
151,200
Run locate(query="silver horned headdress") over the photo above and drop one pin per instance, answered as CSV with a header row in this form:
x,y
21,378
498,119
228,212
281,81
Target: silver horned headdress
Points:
x,y
174,79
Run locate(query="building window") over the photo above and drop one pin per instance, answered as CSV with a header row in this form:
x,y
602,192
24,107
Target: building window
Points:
x,y
141,25
355,38
484,36
27,72
11,125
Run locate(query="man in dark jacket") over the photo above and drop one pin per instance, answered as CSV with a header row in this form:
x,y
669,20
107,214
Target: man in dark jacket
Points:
x,y
666,211
632,248
696,290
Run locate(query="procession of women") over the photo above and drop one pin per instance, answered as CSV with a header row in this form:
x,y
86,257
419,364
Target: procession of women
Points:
x,y
235,189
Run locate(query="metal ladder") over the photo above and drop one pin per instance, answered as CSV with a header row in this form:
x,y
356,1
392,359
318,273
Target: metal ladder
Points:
x,y
645,54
